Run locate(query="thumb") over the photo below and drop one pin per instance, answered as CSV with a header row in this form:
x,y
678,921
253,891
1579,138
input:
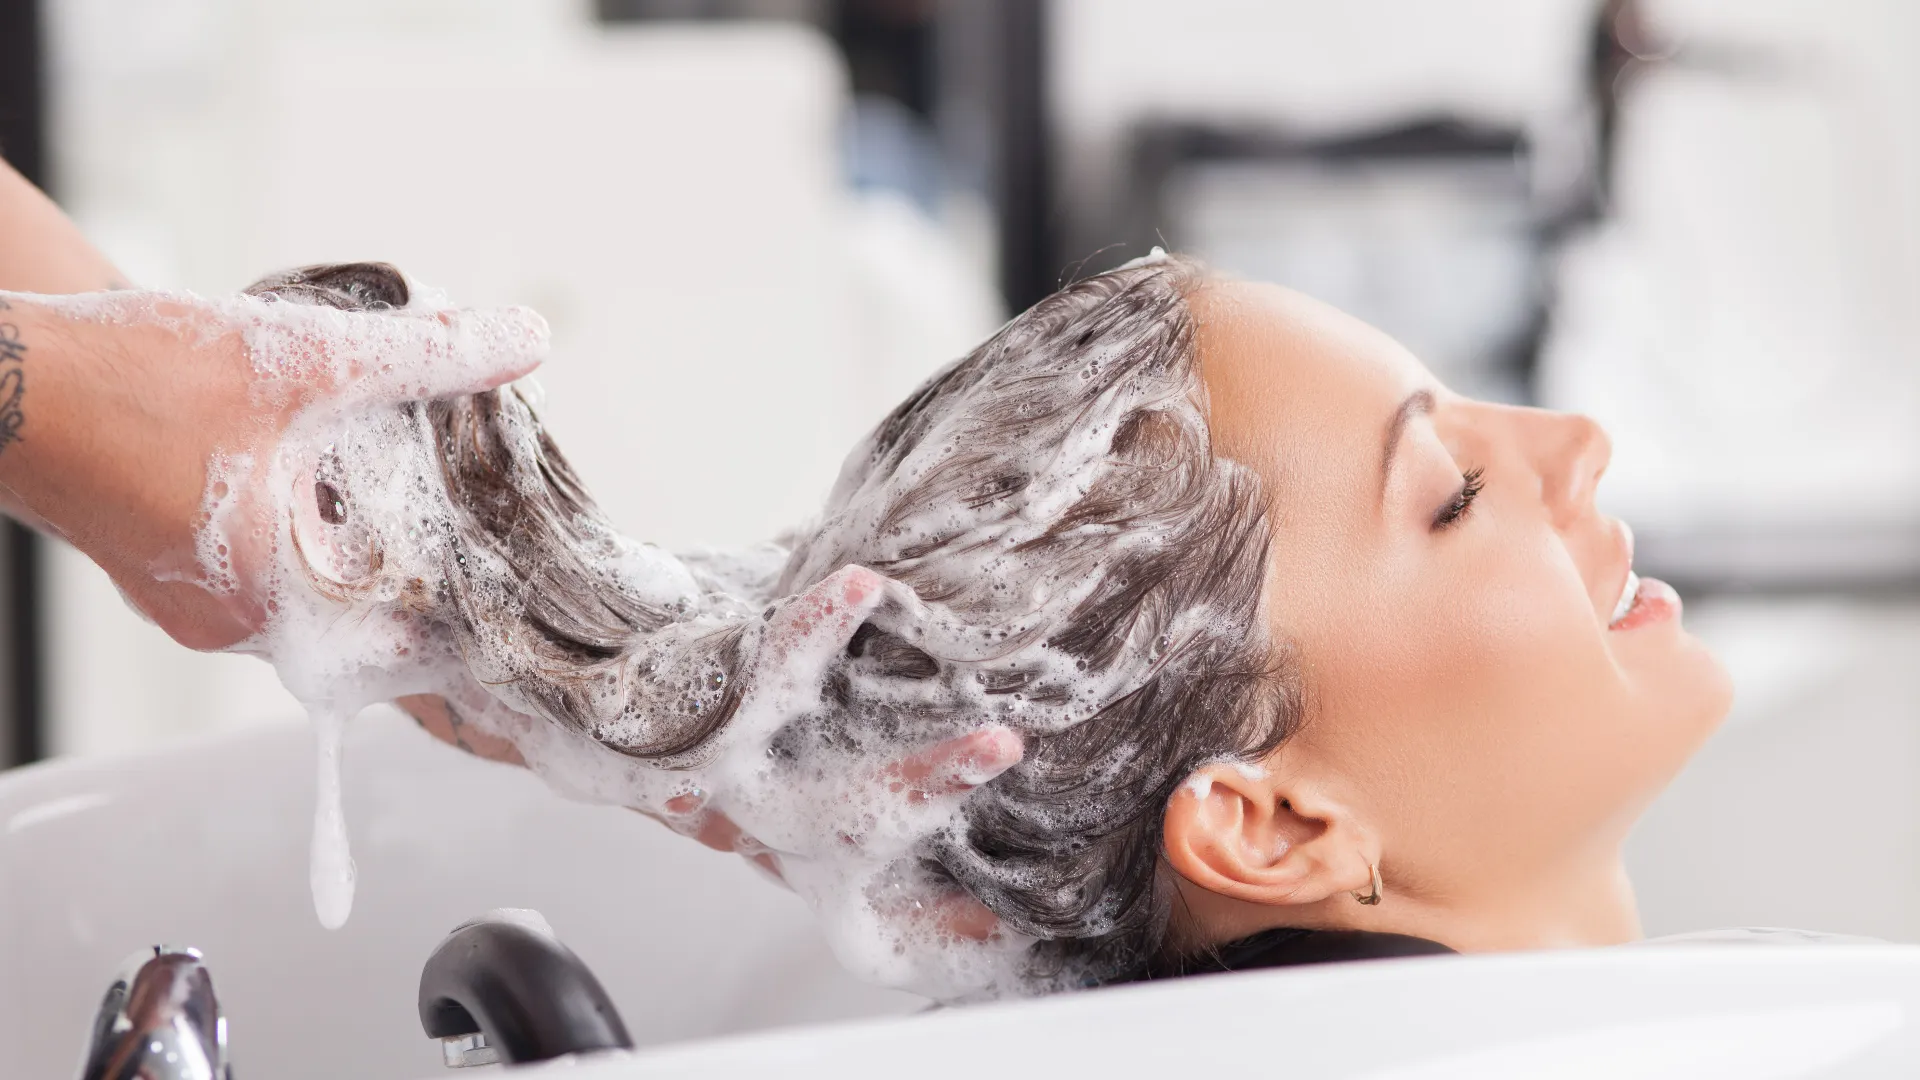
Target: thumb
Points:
x,y
455,352
956,766
811,628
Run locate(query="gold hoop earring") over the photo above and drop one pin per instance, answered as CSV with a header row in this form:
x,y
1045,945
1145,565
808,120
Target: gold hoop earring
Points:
x,y
1373,895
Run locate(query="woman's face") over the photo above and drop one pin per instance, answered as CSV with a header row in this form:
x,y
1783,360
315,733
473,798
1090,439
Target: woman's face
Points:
x,y
1449,592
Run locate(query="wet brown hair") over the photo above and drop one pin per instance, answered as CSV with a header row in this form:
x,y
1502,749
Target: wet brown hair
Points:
x,y
1087,572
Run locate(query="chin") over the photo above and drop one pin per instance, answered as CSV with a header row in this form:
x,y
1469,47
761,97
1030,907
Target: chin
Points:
x,y
1689,692
1716,687
1681,687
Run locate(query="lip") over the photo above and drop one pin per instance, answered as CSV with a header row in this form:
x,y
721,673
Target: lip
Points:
x,y
1654,602
1641,601
1626,584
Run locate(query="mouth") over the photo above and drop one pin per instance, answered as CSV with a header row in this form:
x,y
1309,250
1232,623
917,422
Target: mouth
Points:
x,y
1629,595
1643,601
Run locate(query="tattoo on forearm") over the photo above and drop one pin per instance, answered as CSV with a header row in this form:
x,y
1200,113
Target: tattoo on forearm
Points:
x,y
458,724
13,381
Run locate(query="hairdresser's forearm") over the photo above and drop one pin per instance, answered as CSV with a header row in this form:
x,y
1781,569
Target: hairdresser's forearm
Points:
x,y
84,426
97,428
40,249
47,367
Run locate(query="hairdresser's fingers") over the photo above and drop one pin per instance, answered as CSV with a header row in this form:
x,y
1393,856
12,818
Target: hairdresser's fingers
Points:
x,y
770,862
719,832
373,359
762,857
440,720
487,348
949,910
957,765
964,917
810,629
686,815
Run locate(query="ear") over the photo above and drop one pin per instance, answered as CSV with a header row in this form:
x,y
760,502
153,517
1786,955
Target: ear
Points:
x,y
1244,833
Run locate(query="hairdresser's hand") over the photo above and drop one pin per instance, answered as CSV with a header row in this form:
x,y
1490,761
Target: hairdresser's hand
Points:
x,y
442,721
943,770
123,416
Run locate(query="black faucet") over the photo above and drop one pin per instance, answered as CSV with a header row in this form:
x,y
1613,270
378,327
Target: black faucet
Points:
x,y
503,988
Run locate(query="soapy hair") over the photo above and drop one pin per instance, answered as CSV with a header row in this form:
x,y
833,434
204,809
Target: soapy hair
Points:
x,y
1082,568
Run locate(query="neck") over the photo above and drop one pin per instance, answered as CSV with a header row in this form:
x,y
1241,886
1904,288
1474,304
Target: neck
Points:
x,y
1582,906
1588,906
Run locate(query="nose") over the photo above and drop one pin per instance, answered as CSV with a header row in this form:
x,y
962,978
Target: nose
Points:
x,y
1571,452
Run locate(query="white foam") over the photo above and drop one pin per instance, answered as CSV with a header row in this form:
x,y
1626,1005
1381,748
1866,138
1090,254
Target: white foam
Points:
x,y
1154,255
330,870
524,918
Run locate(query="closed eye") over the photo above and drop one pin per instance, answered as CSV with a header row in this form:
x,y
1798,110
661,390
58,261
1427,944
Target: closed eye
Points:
x,y
1461,503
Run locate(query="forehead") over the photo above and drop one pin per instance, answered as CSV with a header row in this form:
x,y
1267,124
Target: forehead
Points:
x,y
1298,391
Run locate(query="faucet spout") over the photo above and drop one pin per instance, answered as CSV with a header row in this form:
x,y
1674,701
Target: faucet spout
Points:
x,y
503,988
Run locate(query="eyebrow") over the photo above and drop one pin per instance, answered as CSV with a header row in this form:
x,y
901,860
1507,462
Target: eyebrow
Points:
x,y
1418,403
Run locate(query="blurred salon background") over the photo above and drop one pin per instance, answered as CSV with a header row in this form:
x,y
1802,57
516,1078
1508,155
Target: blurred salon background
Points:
x,y
756,224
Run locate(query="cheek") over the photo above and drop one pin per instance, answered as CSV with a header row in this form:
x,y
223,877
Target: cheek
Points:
x,y
1593,721
1517,671
1479,696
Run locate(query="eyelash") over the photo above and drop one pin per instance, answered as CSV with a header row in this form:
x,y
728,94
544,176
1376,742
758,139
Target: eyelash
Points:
x,y
1462,501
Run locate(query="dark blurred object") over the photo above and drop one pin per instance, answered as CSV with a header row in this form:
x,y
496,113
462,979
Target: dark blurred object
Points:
x,y
23,142
891,142
891,48
499,989
948,95
641,10
1440,231
1624,46
1428,229
1621,47
1872,560
992,119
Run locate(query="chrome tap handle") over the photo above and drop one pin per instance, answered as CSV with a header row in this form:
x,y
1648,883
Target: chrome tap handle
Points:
x,y
159,1020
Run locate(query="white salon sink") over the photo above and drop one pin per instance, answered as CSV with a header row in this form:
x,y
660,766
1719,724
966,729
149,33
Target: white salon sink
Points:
x,y
205,845
1647,1013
